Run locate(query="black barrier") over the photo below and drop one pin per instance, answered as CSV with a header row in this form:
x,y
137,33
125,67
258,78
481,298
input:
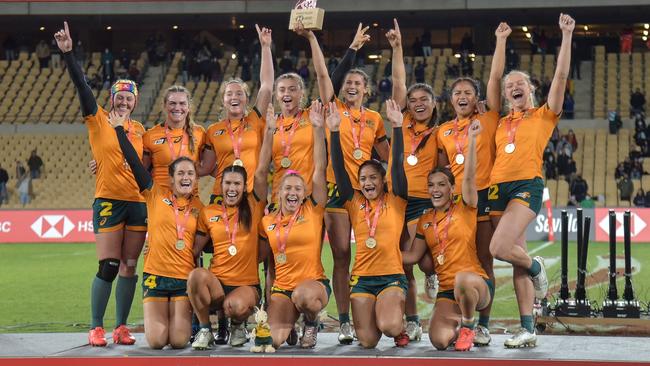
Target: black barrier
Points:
x,y
628,293
564,287
612,293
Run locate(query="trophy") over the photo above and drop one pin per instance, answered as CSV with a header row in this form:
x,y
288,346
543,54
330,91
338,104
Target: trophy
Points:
x,y
306,12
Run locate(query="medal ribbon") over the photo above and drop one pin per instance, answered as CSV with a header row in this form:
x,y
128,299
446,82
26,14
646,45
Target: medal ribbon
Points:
x,y
224,216
180,224
286,144
362,125
417,138
282,241
460,147
236,145
373,227
512,128
170,143
442,239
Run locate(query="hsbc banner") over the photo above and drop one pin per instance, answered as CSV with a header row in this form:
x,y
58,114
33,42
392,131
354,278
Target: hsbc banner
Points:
x,y
46,226
538,229
639,219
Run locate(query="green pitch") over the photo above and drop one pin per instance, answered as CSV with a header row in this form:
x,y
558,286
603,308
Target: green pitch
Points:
x,y
46,287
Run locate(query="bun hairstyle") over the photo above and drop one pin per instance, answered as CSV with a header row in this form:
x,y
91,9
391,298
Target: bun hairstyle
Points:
x,y
245,214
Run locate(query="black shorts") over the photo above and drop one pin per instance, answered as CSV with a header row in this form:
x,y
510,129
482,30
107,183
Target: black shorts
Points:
x,y
373,286
276,290
528,192
161,288
334,201
415,207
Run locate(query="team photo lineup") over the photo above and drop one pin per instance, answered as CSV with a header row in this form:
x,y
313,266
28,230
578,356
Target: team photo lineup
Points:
x,y
448,196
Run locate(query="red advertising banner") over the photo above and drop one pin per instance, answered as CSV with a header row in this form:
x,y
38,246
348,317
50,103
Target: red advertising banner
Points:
x,y
639,224
46,226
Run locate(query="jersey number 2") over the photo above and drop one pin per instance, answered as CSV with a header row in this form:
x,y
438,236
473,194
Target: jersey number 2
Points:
x,y
107,208
493,193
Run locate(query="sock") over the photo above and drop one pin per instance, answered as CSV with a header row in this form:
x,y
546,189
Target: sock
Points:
x,y
484,321
344,318
223,322
207,326
124,291
467,323
413,318
311,323
527,323
534,269
99,294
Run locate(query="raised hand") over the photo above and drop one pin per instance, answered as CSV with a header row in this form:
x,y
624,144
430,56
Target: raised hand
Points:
x,y
271,119
316,114
394,35
265,36
333,117
481,107
567,24
503,30
301,31
394,113
360,38
474,129
63,39
115,119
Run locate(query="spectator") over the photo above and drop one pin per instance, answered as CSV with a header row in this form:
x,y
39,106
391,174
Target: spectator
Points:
x,y
637,102
466,43
615,122
637,170
571,139
570,169
626,41
417,47
640,136
575,61
562,162
245,68
24,187
10,46
43,53
639,199
542,42
426,43
35,164
20,169
80,54
625,188
4,178
579,188
563,146
125,59
466,67
588,202
620,171
568,106
419,72
161,49
285,64
512,60
107,64
134,72
303,71
550,167
385,88
548,151
184,68
635,155
55,58
203,59
217,73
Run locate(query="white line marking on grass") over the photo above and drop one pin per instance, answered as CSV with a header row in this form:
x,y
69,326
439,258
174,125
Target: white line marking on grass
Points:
x,y
541,247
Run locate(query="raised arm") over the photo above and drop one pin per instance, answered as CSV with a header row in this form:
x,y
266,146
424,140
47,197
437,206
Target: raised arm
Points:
x,y
558,85
64,41
398,176
319,179
142,177
470,195
342,178
399,72
325,88
208,162
498,65
265,93
260,185
338,75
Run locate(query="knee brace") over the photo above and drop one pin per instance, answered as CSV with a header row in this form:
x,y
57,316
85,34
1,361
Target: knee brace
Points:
x,y
108,269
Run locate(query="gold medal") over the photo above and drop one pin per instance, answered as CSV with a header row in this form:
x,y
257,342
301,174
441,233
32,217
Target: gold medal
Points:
x,y
180,244
441,259
238,162
285,162
357,154
412,160
510,148
371,243
232,250
460,159
281,258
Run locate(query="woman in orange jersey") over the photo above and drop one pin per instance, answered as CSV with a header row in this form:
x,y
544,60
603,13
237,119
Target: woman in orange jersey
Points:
x,y
294,234
377,215
236,140
361,130
453,141
515,194
420,156
173,212
232,282
119,212
448,233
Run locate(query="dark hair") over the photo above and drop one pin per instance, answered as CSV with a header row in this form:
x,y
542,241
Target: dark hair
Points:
x,y
375,164
471,82
434,116
446,171
245,214
172,166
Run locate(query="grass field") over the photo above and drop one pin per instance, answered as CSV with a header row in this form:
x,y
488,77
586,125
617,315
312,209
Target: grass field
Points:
x,y
46,287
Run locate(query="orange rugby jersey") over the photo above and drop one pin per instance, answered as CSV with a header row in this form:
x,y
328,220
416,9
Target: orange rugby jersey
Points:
x,y
534,128
303,248
373,133
155,144
114,179
301,152
460,246
448,136
239,269
162,257
427,155
219,139
385,258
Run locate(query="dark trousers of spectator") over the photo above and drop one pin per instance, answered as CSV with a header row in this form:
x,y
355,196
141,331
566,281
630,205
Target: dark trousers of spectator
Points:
x,y
4,195
44,62
35,174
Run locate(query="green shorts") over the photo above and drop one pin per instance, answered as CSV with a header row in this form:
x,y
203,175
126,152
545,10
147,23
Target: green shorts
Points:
x,y
216,198
528,192
483,213
227,289
334,201
373,286
415,207
161,288
449,294
112,215
288,293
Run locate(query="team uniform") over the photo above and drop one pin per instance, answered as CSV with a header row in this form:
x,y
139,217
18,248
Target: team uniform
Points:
x,y
247,135
234,264
450,237
379,267
301,258
168,260
165,145
517,173
452,139
372,133
118,202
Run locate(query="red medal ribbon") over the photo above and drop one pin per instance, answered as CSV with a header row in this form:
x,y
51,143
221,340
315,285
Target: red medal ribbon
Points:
x,y
282,242
286,144
373,227
224,216
170,143
442,240
362,125
236,145
180,224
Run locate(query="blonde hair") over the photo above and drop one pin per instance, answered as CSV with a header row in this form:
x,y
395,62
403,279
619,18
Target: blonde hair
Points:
x,y
526,77
189,120
222,94
295,77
